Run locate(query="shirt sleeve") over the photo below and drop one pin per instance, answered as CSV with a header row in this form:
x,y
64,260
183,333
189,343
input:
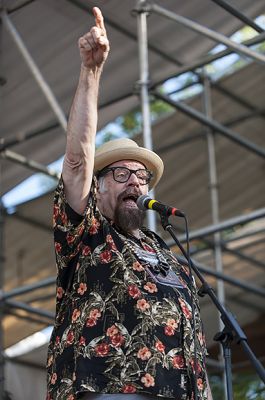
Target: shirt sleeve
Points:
x,y
69,227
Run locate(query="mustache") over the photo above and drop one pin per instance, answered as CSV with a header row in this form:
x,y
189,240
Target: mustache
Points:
x,y
129,192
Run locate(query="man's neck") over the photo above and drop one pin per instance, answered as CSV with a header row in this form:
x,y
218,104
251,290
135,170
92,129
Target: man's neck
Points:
x,y
135,233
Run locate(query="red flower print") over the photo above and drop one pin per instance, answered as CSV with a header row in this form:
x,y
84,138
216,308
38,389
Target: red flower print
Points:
x,y
60,292
82,288
169,331
58,247
150,287
53,378
148,380
70,338
102,349
137,266
178,362
172,323
134,292
117,340
91,322
198,367
55,211
113,330
185,308
144,353
82,341
75,315
64,218
57,340
95,313
142,305
94,226
159,346
111,243
148,248
200,384
80,229
70,238
86,250
105,256
128,389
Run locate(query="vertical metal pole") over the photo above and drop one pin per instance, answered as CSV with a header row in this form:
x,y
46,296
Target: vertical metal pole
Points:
x,y
144,83
213,184
35,70
2,361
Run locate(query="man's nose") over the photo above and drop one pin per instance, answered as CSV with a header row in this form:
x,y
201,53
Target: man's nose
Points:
x,y
133,180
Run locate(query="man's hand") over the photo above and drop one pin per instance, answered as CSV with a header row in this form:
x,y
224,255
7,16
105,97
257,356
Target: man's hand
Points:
x,y
94,45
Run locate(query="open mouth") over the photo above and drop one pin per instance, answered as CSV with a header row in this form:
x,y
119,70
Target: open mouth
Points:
x,y
130,200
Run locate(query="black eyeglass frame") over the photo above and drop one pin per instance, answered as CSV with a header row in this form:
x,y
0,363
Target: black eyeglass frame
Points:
x,y
132,171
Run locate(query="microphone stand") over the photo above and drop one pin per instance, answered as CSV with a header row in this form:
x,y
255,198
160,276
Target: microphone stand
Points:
x,y
232,331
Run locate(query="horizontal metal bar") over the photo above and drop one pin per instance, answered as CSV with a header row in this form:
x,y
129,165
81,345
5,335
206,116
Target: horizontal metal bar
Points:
x,y
233,281
33,165
229,223
26,317
238,14
27,288
217,37
6,143
216,126
209,58
18,7
32,310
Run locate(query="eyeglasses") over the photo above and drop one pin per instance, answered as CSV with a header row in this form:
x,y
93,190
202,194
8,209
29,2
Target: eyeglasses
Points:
x,y
123,174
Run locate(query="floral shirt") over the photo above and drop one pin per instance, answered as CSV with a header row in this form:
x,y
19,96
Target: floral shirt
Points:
x,y
118,327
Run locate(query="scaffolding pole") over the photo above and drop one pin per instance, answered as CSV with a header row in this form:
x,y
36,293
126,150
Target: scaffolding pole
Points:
x,y
229,223
217,37
33,165
2,262
143,83
216,126
213,185
236,13
35,70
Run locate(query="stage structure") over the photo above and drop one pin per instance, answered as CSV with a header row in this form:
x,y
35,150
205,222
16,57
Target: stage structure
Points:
x,y
240,136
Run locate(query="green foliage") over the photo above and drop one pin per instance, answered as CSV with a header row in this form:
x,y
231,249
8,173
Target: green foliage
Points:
x,y
131,122
246,386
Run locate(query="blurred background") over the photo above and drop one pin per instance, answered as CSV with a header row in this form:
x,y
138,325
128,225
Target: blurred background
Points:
x,y
201,66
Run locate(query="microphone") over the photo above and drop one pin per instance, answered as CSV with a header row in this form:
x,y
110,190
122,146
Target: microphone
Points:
x,y
145,202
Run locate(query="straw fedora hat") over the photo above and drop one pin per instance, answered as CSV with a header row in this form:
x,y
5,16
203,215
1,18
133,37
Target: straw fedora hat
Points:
x,y
127,149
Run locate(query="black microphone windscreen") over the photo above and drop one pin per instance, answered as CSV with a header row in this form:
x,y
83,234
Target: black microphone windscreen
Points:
x,y
141,201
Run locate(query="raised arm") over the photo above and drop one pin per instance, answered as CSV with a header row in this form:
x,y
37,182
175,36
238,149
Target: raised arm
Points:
x,y
81,130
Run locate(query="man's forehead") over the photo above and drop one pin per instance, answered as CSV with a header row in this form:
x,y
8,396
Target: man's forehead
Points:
x,y
128,163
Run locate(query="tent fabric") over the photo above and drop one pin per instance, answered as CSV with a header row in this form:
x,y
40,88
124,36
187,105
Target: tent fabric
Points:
x,y
50,30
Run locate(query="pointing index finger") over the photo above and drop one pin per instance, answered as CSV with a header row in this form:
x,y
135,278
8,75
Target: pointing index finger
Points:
x,y
99,18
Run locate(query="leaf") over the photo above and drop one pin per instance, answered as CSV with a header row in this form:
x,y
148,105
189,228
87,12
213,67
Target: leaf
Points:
x,y
89,388
95,341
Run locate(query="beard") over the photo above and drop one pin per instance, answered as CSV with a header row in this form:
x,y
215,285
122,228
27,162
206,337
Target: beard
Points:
x,y
128,219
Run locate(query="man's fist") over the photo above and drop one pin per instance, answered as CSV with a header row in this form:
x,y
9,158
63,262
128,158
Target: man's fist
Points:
x,y
94,45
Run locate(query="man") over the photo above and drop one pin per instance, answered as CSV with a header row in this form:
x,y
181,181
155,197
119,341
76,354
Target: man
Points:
x,y
127,320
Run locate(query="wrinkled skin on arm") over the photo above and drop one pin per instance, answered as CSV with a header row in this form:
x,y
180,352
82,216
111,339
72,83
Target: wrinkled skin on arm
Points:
x,y
81,130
